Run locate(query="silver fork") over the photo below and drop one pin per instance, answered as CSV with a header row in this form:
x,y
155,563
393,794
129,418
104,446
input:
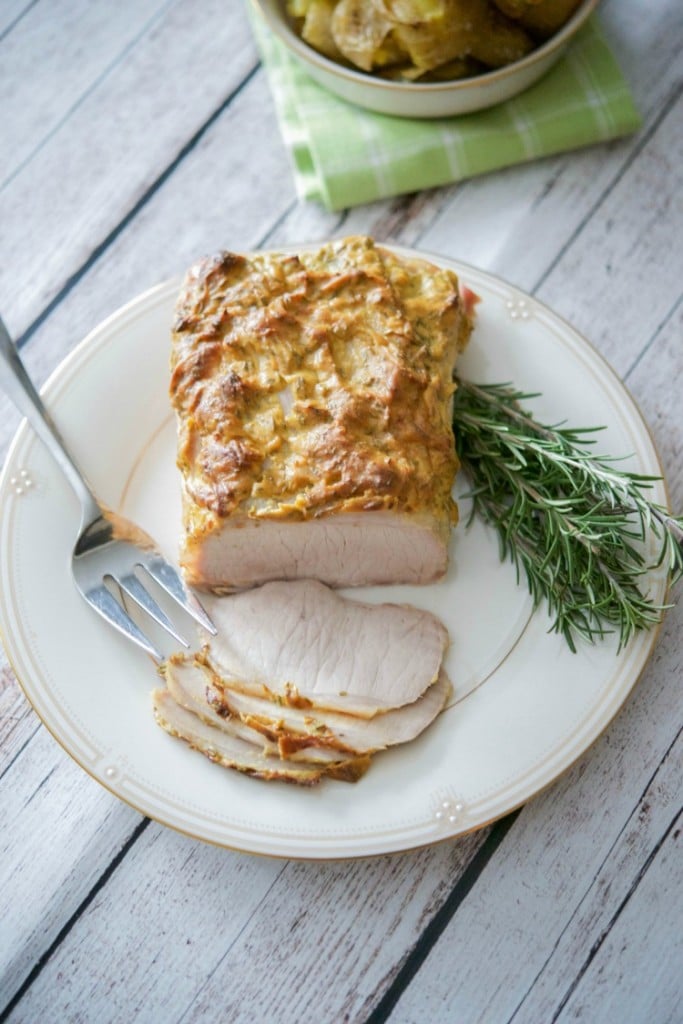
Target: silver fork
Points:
x,y
108,547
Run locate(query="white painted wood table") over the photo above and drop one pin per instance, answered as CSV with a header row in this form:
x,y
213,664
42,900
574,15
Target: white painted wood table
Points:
x,y
135,137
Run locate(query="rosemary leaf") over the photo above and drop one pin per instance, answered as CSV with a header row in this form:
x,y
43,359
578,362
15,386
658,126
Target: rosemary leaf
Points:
x,y
570,521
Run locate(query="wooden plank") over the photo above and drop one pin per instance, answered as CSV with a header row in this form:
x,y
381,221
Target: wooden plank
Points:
x,y
72,45
74,828
621,277
150,940
636,975
346,927
430,203
644,49
116,144
588,942
18,722
652,381
280,941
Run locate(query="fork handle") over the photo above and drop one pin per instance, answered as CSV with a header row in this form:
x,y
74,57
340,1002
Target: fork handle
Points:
x,y
19,388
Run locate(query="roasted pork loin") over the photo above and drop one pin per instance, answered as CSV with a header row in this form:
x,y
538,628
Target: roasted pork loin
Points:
x,y
313,401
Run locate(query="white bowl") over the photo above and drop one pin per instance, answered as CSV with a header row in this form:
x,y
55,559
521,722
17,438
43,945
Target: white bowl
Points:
x,y
423,99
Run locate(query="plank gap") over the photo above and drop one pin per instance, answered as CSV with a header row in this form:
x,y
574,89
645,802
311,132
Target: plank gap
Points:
x,y
596,874
237,937
648,345
20,750
6,31
43,781
431,934
595,948
277,223
68,925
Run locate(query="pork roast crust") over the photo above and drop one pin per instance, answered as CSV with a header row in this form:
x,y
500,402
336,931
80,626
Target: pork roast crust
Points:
x,y
315,388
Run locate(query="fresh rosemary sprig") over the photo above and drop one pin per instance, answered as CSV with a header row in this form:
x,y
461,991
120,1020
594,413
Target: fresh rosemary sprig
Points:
x,y
576,525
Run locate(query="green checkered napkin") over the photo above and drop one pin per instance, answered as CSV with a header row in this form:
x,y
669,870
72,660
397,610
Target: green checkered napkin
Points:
x,y
343,155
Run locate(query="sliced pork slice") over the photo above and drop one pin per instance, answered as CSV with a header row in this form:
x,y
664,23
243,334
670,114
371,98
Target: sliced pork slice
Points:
x,y
232,752
304,644
295,727
178,673
188,683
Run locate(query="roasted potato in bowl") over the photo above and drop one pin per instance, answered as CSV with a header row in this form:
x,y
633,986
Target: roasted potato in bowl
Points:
x,y
412,38
424,58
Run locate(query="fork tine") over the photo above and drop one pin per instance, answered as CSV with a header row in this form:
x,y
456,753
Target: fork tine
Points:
x,y
110,609
134,588
168,578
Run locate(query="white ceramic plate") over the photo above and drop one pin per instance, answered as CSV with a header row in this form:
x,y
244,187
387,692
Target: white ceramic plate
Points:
x,y
524,708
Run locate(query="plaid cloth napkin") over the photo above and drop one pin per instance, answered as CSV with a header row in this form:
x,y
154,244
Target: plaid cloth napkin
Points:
x,y
343,155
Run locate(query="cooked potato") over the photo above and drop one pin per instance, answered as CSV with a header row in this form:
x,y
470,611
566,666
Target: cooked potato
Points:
x,y
359,28
540,17
495,41
427,39
410,12
317,28
298,8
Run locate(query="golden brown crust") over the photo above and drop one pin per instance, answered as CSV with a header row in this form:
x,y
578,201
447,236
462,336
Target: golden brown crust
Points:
x,y
315,385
